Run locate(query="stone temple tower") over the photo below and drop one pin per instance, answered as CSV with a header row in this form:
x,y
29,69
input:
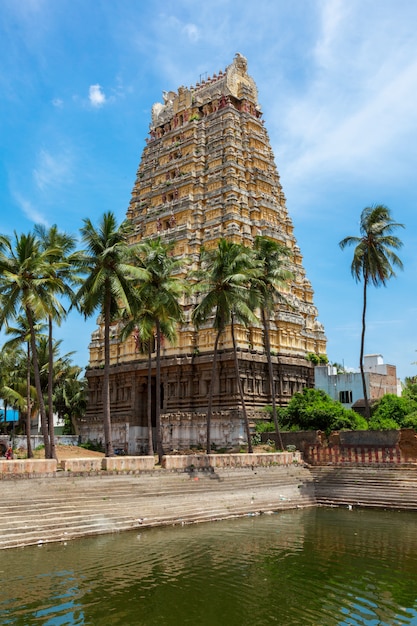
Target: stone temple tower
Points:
x,y
207,171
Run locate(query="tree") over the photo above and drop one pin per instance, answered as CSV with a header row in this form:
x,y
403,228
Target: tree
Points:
x,y
107,287
269,285
410,387
64,245
374,260
10,380
224,281
21,335
158,309
313,409
393,411
143,327
27,275
70,397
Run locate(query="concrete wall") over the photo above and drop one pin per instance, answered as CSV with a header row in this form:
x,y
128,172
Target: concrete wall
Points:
x,y
20,441
298,439
368,437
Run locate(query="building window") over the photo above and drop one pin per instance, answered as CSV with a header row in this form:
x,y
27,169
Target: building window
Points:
x,y
345,397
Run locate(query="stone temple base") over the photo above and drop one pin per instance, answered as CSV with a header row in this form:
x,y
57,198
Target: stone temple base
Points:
x,y
185,383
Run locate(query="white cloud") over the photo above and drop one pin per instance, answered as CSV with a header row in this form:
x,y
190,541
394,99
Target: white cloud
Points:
x,y
29,210
52,170
96,96
192,32
356,108
333,16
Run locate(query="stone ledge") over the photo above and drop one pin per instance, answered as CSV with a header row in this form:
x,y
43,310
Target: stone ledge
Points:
x,y
128,463
82,465
26,467
203,461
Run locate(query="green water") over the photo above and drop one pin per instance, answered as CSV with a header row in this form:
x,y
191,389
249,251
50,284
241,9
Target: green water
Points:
x,y
314,566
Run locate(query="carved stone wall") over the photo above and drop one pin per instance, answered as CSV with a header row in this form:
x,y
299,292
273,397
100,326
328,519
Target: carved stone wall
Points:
x,y
208,171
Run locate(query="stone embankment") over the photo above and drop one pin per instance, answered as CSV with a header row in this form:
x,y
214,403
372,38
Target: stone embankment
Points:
x,y
90,496
377,487
69,505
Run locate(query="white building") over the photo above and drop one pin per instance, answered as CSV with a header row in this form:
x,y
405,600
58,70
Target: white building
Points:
x,y
346,387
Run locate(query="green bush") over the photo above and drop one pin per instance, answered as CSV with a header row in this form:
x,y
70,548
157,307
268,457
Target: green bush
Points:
x,y
256,439
394,408
383,423
265,427
95,446
410,421
313,409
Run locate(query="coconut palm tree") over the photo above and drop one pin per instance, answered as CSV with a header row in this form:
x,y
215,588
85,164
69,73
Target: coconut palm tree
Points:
x,y
224,281
27,275
11,359
63,373
70,399
21,335
143,327
374,260
107,287
272,280
64,244
159,291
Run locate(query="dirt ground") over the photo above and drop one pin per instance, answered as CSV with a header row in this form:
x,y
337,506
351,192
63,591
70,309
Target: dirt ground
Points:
x,y
76,452
70,452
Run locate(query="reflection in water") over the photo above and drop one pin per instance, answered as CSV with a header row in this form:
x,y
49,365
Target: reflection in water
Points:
x,y
303,567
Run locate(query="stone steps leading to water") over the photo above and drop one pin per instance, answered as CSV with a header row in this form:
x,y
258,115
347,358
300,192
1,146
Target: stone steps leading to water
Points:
x,y
58,509
42,510
366,487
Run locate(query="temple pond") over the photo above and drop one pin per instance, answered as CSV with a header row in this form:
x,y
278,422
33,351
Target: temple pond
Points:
x,y
318,566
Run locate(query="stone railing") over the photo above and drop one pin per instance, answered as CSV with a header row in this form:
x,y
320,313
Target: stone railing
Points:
x,y
356,447
355,455
389,447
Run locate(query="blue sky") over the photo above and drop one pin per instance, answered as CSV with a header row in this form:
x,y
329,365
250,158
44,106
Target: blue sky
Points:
x,y
337,83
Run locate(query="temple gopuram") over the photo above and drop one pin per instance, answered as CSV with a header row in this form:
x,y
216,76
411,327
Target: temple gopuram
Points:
x,y
207,172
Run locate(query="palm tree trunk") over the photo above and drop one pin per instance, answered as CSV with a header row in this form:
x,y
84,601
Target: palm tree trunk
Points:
x,y
41,404
159,446
239,385
50,385
267,342
28,405
149,405
365,394
108,443
211,392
